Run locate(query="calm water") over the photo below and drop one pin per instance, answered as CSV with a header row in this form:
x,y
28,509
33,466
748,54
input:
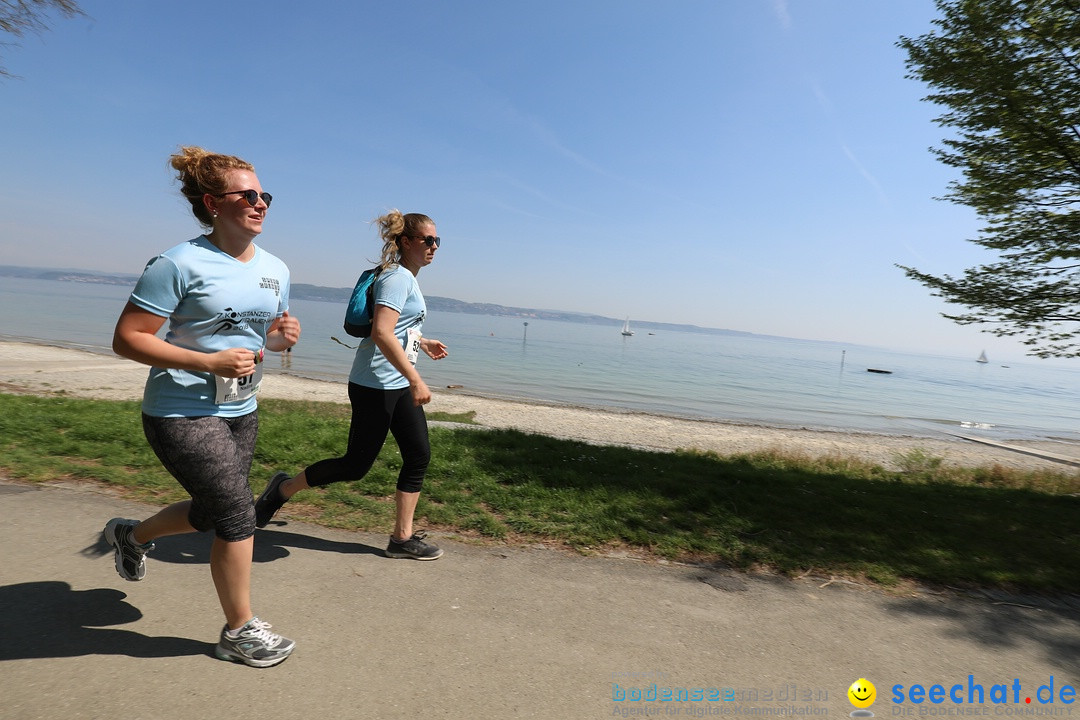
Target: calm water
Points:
x,y
764,380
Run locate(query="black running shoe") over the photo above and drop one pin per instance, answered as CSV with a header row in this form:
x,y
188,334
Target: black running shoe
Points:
x,y
414,547
130,557
270,501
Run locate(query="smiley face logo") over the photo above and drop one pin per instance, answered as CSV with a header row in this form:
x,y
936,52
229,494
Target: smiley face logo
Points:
x,y
862,693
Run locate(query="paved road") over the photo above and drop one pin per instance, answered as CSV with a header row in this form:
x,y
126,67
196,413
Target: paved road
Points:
x,y
481,633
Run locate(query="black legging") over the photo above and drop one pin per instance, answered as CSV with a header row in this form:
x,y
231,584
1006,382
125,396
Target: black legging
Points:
x,y
374,413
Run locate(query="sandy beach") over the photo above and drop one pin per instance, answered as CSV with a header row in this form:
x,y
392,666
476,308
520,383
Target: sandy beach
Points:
x,y
45,369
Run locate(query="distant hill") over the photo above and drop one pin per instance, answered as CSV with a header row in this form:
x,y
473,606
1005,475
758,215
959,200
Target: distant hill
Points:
x,y
318,293
83,276
444,304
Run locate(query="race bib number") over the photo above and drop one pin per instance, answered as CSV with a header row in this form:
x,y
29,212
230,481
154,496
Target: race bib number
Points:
x,y
237,389
412,345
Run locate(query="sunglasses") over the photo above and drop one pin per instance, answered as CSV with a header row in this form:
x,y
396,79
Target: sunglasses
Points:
x,y
429,240
251,196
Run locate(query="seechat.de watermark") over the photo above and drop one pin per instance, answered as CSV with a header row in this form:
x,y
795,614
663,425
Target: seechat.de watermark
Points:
x,y
974,697
653,694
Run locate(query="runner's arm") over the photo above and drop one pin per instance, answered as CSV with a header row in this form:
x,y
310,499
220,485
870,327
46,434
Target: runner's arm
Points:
x,y
136,339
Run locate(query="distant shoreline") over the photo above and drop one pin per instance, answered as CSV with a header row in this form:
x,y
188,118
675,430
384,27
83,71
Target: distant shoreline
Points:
x,y
319,293
817,395
50,369
341,379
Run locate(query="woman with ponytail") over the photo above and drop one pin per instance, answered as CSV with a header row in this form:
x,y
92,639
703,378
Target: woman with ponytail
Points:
x,y
386,391
226,301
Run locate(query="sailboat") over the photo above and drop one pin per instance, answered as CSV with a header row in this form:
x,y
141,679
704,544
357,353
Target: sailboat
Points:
x,y
626,328
982,357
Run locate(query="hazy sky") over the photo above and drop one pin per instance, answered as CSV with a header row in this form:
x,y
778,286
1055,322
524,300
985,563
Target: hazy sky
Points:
x,y
756,165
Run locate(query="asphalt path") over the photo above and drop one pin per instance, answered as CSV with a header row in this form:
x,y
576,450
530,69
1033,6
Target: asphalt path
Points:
x,y
490,632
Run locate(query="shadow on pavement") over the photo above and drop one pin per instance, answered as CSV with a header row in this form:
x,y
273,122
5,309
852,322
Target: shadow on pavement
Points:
x,y
270,545
48,619
1005,623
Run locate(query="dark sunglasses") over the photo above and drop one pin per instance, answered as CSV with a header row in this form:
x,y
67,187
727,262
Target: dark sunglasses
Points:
x,y
251,196
429,240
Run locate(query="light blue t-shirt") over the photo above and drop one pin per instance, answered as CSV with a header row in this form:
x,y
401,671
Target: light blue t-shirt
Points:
x,y
213,302
395,288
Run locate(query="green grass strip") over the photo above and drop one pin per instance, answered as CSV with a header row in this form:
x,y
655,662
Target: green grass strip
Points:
x,y
984,527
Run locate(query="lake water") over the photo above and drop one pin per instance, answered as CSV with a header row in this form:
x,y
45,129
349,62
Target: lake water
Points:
x,y
756,379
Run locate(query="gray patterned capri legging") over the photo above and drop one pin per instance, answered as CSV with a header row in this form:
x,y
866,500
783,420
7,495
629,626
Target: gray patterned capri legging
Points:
x,y
211,458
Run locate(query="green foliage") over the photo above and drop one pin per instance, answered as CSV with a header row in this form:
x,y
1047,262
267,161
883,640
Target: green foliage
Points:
x,y
1007,73
465,418
928,522
51,438
918,463
20,17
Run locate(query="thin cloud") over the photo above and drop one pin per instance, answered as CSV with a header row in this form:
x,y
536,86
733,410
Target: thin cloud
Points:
x,y
866,174
548,138
545,198
823,99
780,9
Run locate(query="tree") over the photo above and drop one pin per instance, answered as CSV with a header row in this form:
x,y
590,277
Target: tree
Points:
x,y
19,17
1008,74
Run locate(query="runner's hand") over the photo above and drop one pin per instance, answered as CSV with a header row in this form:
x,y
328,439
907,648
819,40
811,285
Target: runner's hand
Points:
x,y
289,328
433,348
421,395
233,363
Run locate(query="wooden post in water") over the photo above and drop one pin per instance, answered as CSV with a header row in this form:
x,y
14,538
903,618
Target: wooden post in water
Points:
x,y
525,334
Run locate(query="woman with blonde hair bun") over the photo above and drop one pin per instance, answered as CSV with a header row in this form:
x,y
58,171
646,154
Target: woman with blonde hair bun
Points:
x,y
386,391
227,302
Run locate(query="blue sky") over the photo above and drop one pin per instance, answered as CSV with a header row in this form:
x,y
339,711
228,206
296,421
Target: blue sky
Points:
x,y
756,165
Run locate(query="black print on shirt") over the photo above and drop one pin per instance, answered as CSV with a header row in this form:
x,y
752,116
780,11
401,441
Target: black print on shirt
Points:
x,y
230,321
271,284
